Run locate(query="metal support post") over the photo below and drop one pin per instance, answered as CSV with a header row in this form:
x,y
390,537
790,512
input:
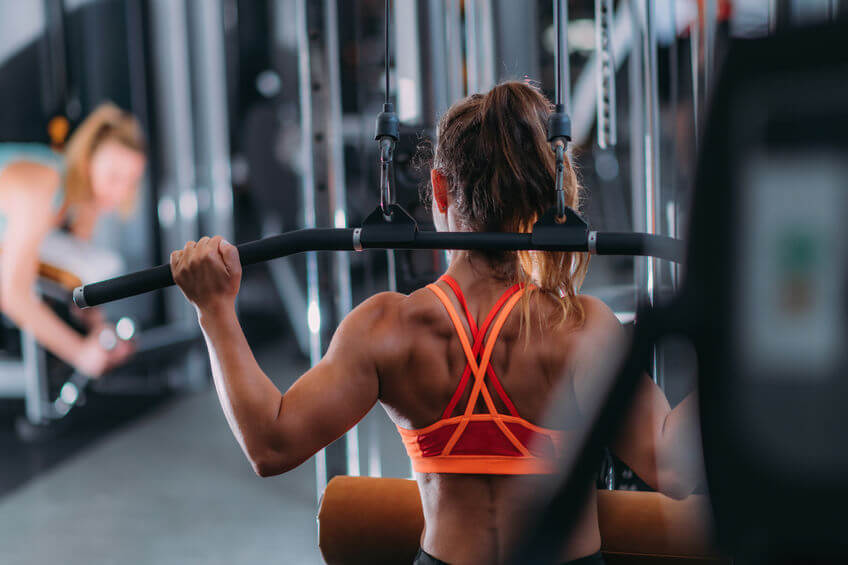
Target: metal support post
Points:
x,y
479,45
324,199
215,197
177,205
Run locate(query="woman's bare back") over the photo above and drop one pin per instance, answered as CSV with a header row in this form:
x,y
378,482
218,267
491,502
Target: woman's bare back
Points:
x,y
473,518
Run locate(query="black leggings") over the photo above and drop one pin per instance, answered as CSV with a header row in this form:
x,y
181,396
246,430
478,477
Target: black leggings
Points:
x,y
424,558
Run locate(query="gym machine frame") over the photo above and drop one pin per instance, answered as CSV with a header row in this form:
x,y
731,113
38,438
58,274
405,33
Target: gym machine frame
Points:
x,y
389,226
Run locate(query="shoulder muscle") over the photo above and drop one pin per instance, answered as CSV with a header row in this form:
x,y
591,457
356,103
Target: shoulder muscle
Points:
x,y
367,324
599,347
33,179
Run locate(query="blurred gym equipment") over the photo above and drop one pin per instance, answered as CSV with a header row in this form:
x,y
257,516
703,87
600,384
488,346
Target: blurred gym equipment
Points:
x,y
392,227
389,521
764,304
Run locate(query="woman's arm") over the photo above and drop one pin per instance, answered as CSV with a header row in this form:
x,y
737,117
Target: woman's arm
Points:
x,y
277,432
662,445
27,200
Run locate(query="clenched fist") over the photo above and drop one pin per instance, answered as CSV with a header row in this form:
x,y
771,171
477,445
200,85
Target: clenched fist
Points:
x,y
208,272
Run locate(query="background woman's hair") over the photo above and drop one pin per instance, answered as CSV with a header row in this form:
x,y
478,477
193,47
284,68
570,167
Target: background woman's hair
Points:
x,y
106,123
493,150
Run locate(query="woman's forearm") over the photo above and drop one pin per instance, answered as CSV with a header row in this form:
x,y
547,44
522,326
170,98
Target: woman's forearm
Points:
x,y
34,316
251,402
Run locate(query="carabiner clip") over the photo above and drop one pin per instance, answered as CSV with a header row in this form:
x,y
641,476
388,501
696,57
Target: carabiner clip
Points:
x,y
387,197
388,132
559,134
558,146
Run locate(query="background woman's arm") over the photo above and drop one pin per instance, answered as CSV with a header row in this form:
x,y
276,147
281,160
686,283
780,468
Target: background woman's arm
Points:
x,y
27,200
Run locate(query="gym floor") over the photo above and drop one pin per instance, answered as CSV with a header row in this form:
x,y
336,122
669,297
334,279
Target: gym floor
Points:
x,y
159,479
166,483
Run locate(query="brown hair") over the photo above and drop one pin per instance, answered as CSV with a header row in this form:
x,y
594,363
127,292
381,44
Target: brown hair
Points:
x,y
493,150
106,123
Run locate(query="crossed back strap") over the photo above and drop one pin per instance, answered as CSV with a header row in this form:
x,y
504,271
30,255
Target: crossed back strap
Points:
x,y
496,319
479,336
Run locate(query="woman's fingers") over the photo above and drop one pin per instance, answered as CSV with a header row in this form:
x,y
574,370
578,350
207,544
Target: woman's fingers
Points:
x,y
230,255
207,252
207,271
212,253
175,258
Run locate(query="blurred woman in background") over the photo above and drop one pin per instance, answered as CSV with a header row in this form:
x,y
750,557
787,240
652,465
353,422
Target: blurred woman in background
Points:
x,y
42,191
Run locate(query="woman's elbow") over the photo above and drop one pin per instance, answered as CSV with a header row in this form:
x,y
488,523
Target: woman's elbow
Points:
x,y
270,464
265,468
14,304
674,484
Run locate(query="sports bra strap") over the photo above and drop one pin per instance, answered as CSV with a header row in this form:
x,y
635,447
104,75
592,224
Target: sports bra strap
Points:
x,y
480,373
478,337
479,370
457,324
480,386
451,282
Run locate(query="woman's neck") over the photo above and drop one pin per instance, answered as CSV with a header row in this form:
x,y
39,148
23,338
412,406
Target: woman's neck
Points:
x,y
471,268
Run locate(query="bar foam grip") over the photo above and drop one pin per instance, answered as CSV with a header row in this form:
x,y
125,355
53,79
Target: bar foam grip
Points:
x,y
615,243
252,252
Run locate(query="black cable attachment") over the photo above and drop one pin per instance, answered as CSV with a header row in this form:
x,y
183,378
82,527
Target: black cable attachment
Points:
x,y
559,125
392,229
388,125
550,231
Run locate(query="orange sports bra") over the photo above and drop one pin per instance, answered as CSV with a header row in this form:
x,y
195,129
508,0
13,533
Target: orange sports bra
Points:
x,y
490,443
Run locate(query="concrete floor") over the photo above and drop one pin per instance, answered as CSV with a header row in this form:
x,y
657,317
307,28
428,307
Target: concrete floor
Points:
x,y
172,488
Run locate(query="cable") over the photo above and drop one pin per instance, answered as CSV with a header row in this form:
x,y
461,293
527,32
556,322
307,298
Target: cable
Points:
x,y
387,51
559,122
557,56
558,97
388,133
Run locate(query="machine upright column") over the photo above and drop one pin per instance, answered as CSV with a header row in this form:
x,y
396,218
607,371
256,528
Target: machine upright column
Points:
x,y
324,199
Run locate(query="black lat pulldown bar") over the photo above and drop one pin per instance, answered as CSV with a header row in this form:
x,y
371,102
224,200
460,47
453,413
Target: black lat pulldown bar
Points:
x,y
400,231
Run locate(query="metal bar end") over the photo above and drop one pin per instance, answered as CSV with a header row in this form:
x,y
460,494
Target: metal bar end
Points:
x,y
79,297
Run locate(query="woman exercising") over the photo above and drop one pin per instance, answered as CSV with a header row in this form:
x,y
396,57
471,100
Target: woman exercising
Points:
x,y
465,367
42,191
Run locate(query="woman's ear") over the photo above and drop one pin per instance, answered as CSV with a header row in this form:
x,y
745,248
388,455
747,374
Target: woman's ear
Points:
x,y
440,190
